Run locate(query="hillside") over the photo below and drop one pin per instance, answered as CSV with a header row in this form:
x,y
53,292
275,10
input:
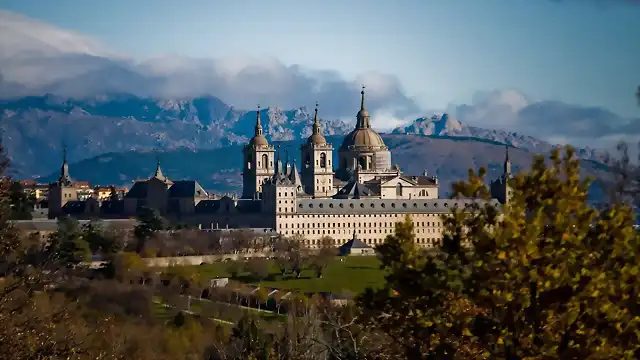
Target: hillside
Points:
x,y
219,169
445,125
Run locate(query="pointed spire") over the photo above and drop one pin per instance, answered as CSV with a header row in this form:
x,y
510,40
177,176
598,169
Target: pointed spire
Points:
x,y
65,178
316,122
507,162
258,130
363,114
64,154
158,173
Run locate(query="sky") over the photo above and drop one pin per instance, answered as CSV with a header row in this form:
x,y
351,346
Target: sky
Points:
x,y
584,52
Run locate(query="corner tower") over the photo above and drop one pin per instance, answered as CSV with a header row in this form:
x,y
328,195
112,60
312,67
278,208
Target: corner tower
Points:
x,y
317,168
258,166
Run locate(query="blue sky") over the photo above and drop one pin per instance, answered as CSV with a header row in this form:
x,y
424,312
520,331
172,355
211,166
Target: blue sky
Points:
x,y
577,51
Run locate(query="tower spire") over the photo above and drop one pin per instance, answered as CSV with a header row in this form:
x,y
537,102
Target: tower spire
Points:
x,y
507,162
316,122
363,114
258,125
65,178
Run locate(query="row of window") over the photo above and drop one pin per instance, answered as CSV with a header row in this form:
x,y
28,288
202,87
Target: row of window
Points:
x,y
422,241
373,205
359,225
345,231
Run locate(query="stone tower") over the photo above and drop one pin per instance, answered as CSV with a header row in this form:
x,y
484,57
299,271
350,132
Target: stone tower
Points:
x,y
258,162
62,191
317,168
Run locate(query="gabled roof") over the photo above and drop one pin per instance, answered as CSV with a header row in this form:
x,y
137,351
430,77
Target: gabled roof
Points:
x,y
354,243
138,190
187,189
354,190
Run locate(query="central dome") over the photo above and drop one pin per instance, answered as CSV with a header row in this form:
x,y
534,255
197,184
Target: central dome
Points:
x,y
363,135
360,137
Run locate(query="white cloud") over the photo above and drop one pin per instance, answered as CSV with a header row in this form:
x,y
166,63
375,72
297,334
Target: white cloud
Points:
x,y
22,36
42,58
553,121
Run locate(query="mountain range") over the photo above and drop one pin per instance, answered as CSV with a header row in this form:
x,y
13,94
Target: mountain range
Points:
x,y
36,127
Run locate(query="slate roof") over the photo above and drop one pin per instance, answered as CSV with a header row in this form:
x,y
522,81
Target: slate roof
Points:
x,y
354,243
354,190
207,206
138,190
75,207
186,189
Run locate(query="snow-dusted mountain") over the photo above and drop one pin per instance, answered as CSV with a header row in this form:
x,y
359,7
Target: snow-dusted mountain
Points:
x,y
444,125
35,127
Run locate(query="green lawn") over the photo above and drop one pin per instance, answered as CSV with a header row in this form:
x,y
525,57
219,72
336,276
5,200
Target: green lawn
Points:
x,y
353,275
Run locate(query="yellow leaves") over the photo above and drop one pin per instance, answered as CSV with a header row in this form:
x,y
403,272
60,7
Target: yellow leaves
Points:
x,y
502,255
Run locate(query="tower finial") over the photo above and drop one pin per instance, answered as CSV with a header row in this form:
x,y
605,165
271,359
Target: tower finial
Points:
x,y
362,98
507,162
64,153
316,122
258,125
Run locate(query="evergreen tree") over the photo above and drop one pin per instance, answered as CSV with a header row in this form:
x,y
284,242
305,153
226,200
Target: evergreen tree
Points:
x,y
149,221
67,245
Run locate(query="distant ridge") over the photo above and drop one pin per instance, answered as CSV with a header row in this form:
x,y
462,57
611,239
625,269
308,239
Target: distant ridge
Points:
x,y
35,127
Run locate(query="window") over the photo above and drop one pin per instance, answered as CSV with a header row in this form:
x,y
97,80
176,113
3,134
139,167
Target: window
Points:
x,y
399,189
265,161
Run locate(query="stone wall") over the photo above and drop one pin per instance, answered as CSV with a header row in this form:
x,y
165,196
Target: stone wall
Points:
x,y
195,260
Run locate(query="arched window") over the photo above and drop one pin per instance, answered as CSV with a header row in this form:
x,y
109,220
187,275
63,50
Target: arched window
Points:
x,y
399,189
323,160
363,162
265,161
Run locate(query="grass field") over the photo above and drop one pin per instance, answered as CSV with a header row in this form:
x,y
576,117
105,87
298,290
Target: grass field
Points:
x,y
353,275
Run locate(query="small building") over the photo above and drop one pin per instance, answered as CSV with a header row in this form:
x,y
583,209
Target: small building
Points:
x,y
355,247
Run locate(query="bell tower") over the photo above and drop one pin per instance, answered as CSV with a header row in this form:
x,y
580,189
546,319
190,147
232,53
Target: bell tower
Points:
x,y
62,191
258,158
317,167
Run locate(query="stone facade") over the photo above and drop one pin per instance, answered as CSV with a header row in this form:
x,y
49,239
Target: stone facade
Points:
x,y
365,196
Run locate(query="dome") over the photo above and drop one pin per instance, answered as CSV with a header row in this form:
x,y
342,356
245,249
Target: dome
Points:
x,y
361,138
316,139
259,140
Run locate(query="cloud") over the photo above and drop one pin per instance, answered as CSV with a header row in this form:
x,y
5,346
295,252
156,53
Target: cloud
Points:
x,y
22,37
44,59
554,121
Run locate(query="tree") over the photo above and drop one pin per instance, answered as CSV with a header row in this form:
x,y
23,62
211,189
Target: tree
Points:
x,y
149,222
327,252
21,203
258,268
546,276
67,245
234,268
420,308
101,241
